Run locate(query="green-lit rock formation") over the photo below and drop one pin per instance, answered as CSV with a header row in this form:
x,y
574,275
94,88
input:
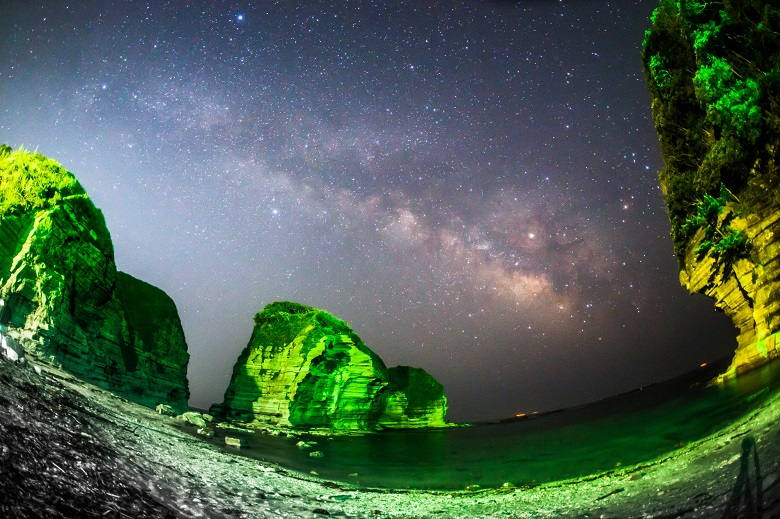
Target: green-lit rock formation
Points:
x,y
305,369
416,399
69,305
713,70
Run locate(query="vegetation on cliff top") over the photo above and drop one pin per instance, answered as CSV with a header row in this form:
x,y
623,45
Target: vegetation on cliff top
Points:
x,y
713,70
282,321
30,182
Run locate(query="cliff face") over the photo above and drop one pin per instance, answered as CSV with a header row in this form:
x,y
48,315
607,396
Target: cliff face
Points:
x,y
68,304
417,400
713,71
157,338
305,369
747,290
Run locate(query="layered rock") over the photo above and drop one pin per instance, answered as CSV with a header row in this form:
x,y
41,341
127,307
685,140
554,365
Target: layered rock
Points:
x,y
157,337
713,71
305,369
748,290
417,401
68,303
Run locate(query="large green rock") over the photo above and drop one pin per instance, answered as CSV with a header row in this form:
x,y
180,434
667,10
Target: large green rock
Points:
x,y
713,71
416,399
68,303
305,369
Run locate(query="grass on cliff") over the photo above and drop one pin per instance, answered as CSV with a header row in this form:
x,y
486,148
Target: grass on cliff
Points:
x,y
31,182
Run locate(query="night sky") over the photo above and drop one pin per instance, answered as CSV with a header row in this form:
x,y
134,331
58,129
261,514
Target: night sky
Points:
x,y
472,185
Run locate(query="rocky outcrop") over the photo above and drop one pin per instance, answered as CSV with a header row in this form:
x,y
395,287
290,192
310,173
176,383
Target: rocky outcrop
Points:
x,y
157,338
747,290
68,304
417,400
305,369
713,71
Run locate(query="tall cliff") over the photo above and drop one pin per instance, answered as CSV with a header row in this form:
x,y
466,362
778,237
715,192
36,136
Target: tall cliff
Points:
x,y
305,369
68,303
713,71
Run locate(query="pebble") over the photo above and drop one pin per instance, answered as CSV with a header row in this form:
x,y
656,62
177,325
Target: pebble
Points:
x,y
206,431
235,442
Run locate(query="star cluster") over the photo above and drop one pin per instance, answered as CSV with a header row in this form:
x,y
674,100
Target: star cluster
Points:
x,y
471,185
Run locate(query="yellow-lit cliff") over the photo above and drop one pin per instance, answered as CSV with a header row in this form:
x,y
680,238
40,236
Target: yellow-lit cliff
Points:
x,y
713,71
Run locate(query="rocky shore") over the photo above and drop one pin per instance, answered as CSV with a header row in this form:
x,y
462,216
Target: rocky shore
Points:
x,y
71,449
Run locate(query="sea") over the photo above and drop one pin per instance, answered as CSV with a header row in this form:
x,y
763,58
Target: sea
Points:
x,y
623,430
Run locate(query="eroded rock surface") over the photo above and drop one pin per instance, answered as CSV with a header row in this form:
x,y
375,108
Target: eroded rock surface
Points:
x,y
417,401
747,290
68,304
305,369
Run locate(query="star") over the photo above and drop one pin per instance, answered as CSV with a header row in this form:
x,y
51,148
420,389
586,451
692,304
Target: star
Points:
x,y
388,153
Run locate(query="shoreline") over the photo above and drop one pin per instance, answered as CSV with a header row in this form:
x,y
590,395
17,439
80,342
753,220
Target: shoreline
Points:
x,y
190,477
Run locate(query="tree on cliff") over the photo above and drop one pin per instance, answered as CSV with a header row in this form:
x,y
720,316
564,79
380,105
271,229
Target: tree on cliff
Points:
x,y
713,70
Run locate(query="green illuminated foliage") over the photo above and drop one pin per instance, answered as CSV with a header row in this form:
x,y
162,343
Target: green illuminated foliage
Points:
x,y
691,7
658,70
30,181
713,70
720,241
732,104
703,36
280,311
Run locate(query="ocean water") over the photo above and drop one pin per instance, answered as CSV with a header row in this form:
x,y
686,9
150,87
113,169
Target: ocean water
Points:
x,y
618,431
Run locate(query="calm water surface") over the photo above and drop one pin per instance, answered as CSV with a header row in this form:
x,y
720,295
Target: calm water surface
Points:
x,y
625,430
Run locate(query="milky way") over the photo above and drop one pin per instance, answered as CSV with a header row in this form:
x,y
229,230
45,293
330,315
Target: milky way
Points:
x,y
471,185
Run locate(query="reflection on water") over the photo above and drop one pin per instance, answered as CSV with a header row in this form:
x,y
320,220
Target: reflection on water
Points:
x,y
622,430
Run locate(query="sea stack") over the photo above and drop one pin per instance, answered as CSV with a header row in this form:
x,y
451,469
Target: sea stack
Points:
x,y
713,71
68,304
307,370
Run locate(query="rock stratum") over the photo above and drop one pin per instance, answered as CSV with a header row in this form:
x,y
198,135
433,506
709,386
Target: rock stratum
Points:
x,y
305,369
68,303
713,71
